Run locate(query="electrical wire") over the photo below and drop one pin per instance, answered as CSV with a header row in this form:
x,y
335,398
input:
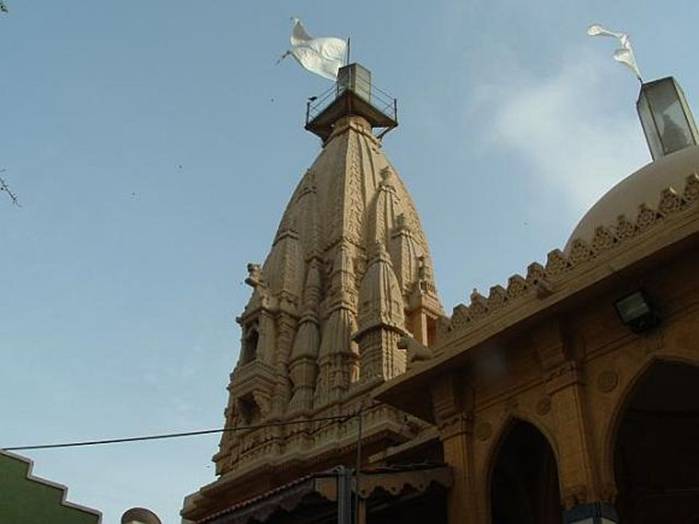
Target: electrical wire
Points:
x,y
162,436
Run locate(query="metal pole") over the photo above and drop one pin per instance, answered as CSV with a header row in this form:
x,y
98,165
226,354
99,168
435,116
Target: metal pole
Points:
x,y
358,466
344,495
348,51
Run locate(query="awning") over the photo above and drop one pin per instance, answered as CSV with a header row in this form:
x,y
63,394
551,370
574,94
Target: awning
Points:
x,y
317,492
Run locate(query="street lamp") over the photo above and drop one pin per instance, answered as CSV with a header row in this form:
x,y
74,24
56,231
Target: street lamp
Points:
x,y
139,516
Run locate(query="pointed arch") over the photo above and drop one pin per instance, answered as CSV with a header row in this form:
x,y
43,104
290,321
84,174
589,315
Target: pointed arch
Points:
x,y
624,396
503,429
522,475
653,443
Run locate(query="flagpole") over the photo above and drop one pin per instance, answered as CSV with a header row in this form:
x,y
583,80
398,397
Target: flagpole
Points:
x,y
348,50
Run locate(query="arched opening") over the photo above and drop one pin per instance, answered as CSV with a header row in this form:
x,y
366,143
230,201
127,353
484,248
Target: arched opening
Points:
x,y
656,452
250,342
524,483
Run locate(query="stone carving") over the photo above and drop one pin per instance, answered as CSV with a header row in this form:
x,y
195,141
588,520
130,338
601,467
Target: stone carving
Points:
x,y
574,496
254,278
460,316
624,228
646,217
607,381
535,273
479,305
543,406
654,341
608,493
691,190
580,252
670,201
484,431
516,286
457,424
604,238
497,297
425,279
556,262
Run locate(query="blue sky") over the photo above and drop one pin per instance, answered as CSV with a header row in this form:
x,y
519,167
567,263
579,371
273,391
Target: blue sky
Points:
x,y
153,146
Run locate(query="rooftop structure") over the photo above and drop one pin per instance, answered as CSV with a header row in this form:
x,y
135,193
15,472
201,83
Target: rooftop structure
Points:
x,y
349,274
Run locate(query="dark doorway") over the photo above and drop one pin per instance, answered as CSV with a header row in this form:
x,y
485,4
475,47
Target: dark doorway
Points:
x,y
656,455
524,488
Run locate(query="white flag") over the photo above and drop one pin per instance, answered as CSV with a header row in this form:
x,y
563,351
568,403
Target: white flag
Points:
x,y
625,54
322,56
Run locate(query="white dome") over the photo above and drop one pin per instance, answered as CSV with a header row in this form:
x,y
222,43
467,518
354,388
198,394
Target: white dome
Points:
x,y
642,187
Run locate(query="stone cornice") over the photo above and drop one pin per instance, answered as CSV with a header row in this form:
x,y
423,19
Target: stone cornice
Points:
x,y
543,281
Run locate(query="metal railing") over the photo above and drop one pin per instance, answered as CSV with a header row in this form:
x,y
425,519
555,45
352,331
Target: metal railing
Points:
x,y
379,99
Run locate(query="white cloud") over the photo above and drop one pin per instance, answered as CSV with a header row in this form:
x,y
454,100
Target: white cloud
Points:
x,y
576,132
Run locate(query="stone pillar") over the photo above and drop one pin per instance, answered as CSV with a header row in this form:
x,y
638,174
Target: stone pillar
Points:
x,y
453,408
577,471
282,388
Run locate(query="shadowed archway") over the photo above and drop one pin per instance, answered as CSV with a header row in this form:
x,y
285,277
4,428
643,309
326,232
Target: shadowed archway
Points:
x,y
656,452
524,482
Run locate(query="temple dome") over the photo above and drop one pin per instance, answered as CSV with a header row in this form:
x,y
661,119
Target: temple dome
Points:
x,y
641,187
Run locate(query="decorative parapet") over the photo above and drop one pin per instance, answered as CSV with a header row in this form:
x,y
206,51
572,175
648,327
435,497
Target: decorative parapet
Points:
x,y
540,280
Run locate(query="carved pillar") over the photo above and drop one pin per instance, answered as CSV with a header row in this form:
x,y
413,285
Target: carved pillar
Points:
x,y
577,471
285,338
381,320
267,337
452,401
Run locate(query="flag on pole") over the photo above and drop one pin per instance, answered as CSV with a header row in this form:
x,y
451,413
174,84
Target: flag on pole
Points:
x,y
623,55
322,56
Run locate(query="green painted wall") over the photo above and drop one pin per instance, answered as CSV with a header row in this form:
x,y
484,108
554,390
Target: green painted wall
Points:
x,y
30,501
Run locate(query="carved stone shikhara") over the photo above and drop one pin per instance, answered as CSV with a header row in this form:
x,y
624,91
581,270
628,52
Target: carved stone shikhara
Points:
x,y
349,274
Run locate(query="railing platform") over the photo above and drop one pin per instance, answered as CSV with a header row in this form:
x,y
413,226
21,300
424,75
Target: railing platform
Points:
x,y
324,110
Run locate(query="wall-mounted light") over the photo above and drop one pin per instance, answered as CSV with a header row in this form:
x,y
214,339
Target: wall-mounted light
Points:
x,y
636,311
